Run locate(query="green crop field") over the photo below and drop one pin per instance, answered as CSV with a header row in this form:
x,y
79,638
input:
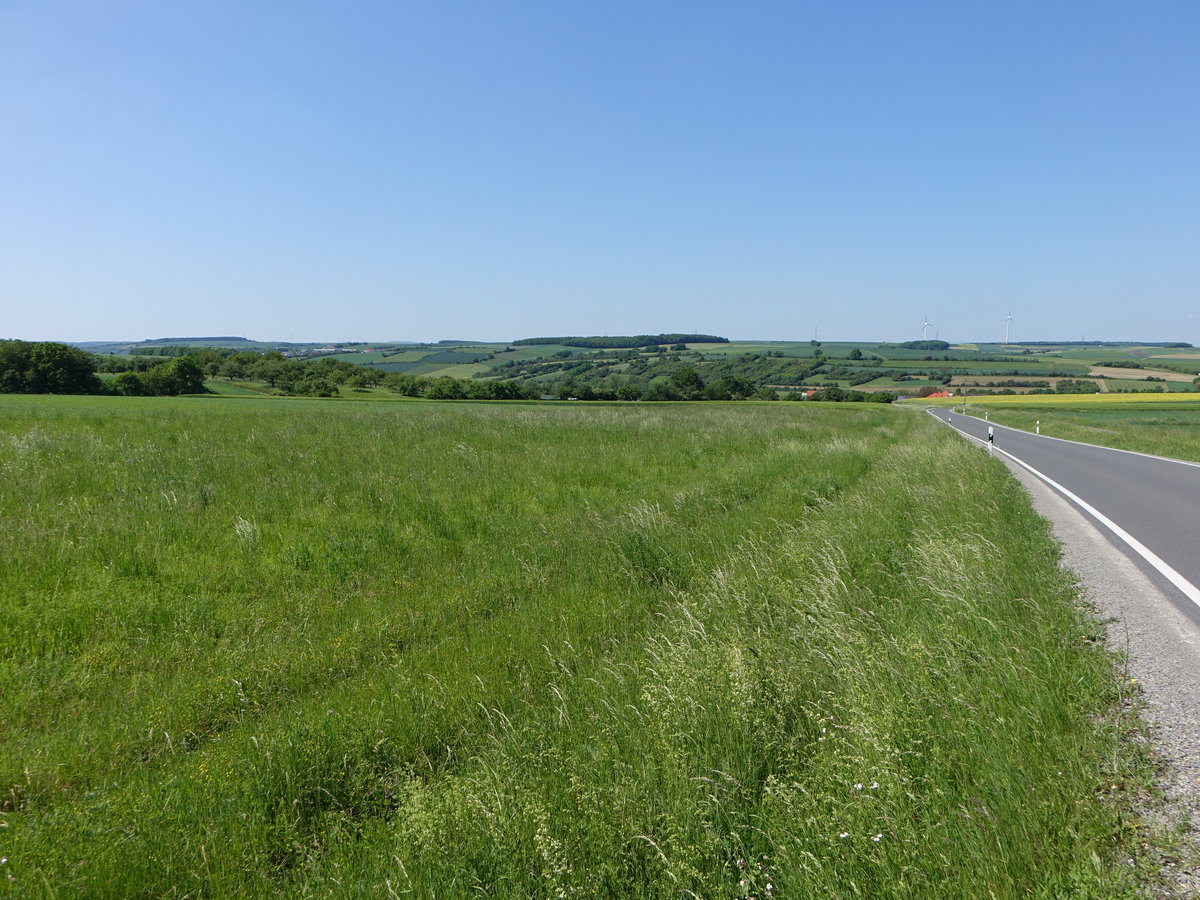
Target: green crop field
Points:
x,y
303,648
363,359
455,370
1165,424
1180,355
404,356
538,351
1016,366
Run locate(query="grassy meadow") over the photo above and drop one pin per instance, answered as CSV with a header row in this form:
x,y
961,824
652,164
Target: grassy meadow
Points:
x,y
1161,424
265,648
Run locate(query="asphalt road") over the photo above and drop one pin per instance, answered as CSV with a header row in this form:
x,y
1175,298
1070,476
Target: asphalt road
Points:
x,y
1155,501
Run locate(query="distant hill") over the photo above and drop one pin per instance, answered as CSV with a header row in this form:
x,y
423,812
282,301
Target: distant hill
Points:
x,y
1170,345
230,342
654,366
611,342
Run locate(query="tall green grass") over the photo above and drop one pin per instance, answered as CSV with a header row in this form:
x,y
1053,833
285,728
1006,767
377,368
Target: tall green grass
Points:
x,y
263,648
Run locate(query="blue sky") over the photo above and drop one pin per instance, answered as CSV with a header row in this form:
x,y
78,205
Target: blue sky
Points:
x,y
441,169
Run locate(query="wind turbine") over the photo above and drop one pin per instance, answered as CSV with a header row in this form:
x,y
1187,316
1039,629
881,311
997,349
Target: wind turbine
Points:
x,y
925,331
1007,326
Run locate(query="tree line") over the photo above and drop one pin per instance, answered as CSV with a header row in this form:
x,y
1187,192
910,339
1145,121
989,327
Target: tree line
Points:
x,y
50,367
610,342
55,368
688,384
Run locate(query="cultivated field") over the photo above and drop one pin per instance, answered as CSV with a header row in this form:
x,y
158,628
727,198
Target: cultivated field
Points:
x,y
1162,424
1019,385
647,367
1133,374
304,648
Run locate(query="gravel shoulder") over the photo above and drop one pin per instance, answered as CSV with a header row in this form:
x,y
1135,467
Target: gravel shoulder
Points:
x,y
1161,642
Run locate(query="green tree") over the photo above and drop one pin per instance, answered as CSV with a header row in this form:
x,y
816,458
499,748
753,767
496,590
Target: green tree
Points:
x,y
364,377
130,384
234,367
405,385
62,369
629,391
687,383
445,388
47,367
179,376
729,387
269,367
660,390
14,367
185,376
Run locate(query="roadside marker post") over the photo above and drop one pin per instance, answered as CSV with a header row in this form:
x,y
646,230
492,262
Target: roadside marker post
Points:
x,y
1038,430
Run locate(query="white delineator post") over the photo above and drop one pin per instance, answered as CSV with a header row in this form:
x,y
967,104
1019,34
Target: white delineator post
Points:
x,y
1038,430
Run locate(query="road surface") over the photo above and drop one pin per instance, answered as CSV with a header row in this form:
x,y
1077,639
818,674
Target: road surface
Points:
x,y
1149,506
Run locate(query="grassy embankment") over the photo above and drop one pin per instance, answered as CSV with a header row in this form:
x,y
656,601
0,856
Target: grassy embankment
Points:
x,y
1162,424
295,648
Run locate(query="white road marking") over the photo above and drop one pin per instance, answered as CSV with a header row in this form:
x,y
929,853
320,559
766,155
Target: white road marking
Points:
x,y
1188,589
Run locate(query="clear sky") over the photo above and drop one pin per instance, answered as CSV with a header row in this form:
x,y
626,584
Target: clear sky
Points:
x,y
427,169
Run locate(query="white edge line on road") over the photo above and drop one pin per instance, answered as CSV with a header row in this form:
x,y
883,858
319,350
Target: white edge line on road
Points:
x,y
1050,437
1188,589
